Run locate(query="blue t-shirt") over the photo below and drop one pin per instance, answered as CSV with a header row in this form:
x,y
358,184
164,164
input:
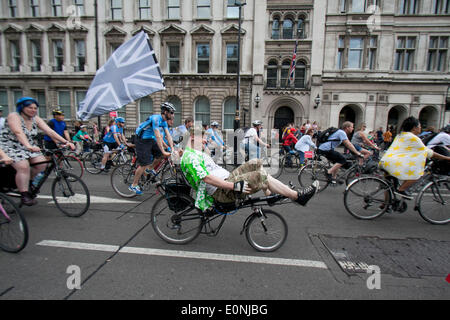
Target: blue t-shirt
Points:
x,y
109,137
155,122
58,126
334,141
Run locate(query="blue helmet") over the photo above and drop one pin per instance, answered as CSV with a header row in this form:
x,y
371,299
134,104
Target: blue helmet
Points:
x,y
25,102
120,120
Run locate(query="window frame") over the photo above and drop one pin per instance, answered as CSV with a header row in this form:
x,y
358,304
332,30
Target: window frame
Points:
x,y
405,54
34,9
79,65
435,61
147,8
116,11
206,114
12,8
147,113
202,6
67,109
171,6
198,59
226,116
171,60
56,8
55,56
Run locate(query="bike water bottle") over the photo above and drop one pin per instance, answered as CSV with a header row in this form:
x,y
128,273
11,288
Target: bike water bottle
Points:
x,y
38,179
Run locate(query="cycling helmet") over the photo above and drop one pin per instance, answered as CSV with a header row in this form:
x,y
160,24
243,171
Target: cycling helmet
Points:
x,y
167,106
446,128
25,102
57,111
215,124
257,123
120,120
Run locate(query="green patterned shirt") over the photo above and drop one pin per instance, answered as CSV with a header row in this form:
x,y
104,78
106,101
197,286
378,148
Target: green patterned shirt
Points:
x,y
194,169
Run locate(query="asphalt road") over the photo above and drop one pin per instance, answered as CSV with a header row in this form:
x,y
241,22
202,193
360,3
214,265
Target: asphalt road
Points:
x,y
117,255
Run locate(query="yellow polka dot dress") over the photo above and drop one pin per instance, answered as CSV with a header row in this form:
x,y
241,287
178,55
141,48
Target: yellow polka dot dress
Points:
x,y
406,157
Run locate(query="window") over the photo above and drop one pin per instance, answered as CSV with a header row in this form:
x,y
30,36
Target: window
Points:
x,y
79,4
173,9
4,102
174,58
272,74
404,53
357,6
116,9
232,58
144,9
34,8
40,96
56,8
177,116
17,94
355,53
229,109
232,10
113,47
285,66
203,58
80,55
80,95
15,55
437,54
64,103
202,110
409,7
36,55
203,9
301,29
288,29
12,8
58,55
276,29
145,109
441,6
300,75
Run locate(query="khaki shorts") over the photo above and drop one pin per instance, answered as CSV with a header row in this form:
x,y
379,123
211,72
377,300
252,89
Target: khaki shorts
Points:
x,y
252,172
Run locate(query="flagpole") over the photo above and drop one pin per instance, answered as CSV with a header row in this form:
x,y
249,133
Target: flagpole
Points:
x,y
97,63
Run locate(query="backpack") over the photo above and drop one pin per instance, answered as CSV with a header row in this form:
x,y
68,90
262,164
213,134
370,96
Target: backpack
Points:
x,y
323,136
428,137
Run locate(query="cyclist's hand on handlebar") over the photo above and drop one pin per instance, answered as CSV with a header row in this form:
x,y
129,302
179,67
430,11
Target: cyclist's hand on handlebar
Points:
x,y
34,149
6,161
166,154
242,187
70,145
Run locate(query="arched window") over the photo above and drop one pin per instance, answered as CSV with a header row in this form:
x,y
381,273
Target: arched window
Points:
x,y
177,103
276,29
145,108
272,74
288,29
300,75
301,34
229,108
286,65
202,110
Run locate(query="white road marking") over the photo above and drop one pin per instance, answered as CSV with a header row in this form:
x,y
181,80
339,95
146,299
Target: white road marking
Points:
x,y
82,199
185,254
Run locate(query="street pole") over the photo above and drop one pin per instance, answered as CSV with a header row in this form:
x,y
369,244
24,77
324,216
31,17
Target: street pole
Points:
x,y
97,65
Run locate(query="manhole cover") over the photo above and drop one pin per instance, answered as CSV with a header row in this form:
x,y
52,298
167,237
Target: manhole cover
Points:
x,y
412,258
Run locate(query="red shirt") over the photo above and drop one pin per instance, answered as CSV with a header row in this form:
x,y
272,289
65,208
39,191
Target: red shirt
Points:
x,y
289,140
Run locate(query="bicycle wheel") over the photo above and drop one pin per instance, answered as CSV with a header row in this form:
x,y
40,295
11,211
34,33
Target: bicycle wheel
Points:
x,y
93,162
72,165
121,179
367,198
291,164
71,195
353,174
13,226
268,232
179,223
433,202
312,172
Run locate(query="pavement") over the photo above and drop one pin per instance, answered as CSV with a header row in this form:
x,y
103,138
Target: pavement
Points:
x,y
113,253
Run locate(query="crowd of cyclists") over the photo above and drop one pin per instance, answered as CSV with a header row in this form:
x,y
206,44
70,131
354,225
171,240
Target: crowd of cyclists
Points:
x,y
156,138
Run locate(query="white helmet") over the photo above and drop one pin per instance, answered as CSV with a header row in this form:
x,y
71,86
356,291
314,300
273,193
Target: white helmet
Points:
x,y
215,124
257,123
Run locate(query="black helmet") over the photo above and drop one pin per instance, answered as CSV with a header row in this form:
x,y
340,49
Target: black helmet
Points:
x,y
167,106
58,112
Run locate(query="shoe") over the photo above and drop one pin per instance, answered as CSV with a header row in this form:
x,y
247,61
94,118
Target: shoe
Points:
x,y
330,178
404,194
306,194
136,189
27,199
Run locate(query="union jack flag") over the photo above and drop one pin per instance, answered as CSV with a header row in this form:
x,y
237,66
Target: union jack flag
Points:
x,y
131,73
291,77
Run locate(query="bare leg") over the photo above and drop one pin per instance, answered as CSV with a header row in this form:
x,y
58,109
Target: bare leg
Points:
x,y
278,187
38,168
22,175
406,185
333,171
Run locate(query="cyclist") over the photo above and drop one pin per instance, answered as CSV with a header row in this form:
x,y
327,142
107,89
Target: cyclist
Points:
x,y
335,140
60,126
406,157
360,140
304,144
215,139
114,139
252,141
17,141
82,139
182,129
149,142
213,183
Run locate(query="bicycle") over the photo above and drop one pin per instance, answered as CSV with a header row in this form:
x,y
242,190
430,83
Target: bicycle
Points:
x,y
175,219
69,192
368,198
93,160
316,169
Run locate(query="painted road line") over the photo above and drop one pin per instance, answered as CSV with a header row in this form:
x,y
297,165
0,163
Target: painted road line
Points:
x,y
186,254
80,198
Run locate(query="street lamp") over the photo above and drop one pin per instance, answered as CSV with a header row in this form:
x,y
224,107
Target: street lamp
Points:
x,y
317,100
257,100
